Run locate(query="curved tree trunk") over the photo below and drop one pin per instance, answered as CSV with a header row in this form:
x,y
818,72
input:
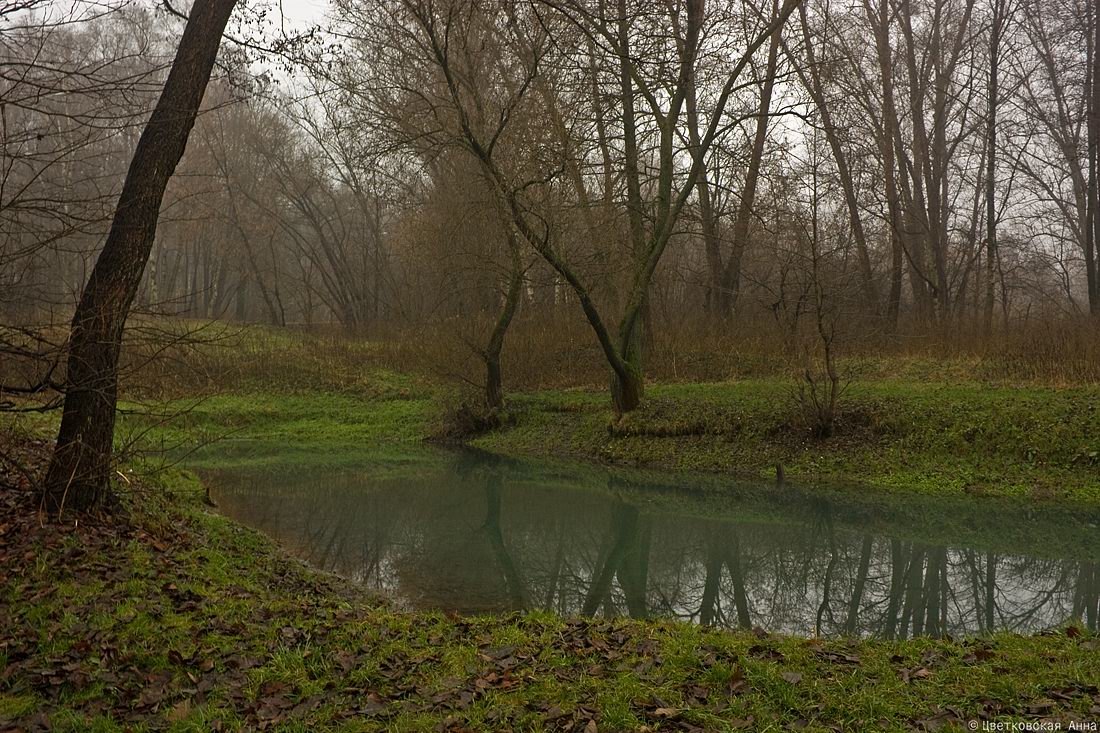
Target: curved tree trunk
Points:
x,y
80,470
494,386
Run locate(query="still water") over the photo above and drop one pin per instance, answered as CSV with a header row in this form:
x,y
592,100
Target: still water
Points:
x,y
473,533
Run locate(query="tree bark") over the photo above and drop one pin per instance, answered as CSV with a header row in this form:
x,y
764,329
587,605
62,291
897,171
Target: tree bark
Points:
x,y
729,283
80,470
494,388
1092,225
991,164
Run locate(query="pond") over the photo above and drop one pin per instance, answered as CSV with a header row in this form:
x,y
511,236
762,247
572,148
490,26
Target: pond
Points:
x,y
474,533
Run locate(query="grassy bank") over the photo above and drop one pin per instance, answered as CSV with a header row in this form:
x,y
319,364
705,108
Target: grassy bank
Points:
x,y
179,619
936,439
176,618
896,436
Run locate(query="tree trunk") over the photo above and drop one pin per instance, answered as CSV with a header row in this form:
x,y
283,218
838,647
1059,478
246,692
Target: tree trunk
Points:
x,y
729,286
814,84
627,389
879,20
80,470
494,389
1092,225
991,165
708,218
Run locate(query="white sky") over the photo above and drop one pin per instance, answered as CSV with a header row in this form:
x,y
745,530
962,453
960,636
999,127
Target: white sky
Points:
x,y
298,13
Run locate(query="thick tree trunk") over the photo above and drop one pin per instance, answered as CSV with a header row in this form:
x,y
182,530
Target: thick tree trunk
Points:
x,y
79,473
627,389
639,244
494,384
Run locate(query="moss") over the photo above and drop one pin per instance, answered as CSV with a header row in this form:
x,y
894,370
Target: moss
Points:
x,y
936,439
197,596
326,658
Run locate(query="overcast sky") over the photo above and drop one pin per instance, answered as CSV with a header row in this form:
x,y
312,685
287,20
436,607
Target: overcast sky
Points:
x,y
303,12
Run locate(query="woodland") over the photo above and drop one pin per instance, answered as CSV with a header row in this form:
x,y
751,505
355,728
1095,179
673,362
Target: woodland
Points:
x,y
799,299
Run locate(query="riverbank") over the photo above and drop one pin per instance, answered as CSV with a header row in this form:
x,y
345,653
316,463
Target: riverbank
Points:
x,y
176,618
950,439
942,439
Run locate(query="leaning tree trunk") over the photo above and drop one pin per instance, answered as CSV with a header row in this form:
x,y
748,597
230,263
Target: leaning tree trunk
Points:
x,y
79,472
728,286
494,383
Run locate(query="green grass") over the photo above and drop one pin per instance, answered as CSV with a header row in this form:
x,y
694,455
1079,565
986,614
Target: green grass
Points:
x,y
928,438
253,426
195,622
191,623
904,437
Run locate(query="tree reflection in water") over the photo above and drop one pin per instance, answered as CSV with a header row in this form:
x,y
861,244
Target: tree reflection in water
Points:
x,y
480,535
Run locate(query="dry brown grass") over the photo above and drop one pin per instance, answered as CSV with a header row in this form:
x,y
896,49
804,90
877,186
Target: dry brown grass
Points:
x,y
164,359
562,354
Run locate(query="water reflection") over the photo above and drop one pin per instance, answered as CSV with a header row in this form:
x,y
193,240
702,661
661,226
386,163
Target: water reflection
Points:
x,y
475,535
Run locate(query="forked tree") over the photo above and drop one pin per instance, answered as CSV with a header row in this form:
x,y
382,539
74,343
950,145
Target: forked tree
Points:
x,y
447,36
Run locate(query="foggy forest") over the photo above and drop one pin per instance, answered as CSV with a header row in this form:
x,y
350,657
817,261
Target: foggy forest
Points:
x,y
565,365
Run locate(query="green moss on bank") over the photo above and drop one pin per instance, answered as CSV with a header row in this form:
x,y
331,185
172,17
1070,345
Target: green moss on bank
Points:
x,y
961,439
387,411
185,621
936,439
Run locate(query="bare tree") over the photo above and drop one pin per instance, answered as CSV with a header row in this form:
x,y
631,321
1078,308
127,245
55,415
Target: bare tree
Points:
x,y
80,470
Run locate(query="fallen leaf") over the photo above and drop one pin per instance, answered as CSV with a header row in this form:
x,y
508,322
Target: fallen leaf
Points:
x,y
180,711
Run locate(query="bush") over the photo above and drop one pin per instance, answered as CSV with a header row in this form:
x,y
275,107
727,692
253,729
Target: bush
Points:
x,y
463,415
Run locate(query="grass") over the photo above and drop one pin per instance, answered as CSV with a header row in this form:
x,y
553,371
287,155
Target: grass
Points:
x,y
184,621
940,439
188,622
1018,420
385,409
937,439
